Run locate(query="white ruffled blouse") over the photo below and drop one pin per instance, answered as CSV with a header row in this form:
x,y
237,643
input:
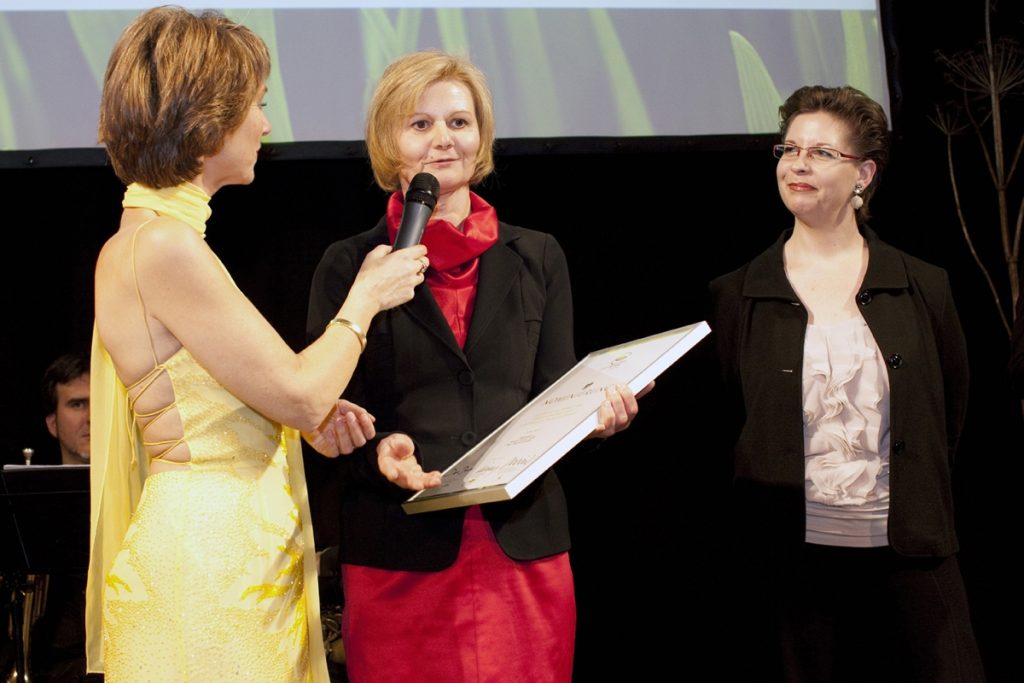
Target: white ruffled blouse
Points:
x,y
846,436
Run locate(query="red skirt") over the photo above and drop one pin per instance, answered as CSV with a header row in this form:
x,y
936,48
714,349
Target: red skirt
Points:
x,y
485,618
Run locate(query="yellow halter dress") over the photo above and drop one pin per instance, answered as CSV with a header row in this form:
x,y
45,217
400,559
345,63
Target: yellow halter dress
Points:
x,y
211,576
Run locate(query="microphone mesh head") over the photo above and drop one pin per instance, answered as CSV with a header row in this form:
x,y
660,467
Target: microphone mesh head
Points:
x,y
424,188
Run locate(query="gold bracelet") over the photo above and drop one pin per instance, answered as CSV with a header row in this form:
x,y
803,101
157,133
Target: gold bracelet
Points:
x,y
356,330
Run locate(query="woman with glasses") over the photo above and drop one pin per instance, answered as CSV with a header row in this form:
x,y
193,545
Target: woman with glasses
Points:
x,y
847,367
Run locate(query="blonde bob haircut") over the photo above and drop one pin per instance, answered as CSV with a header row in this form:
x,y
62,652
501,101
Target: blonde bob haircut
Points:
x,y
176,85
394,100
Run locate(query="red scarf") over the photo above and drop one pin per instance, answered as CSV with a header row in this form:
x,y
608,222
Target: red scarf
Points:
x,y
454,258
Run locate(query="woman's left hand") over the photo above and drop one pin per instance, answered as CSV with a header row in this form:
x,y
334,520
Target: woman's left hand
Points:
x,y
346,428
617,411
396,458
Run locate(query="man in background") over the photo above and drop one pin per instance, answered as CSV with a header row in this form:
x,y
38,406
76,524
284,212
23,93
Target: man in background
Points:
x,y
58,635
66,392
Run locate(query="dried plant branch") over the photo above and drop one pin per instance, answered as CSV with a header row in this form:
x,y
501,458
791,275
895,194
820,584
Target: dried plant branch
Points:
x,y
986,76
1016,158
967,234
998,68
947,119
978,127
1016,234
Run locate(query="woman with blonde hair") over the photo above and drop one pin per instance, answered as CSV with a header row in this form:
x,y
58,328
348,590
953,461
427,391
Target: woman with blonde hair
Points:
x,y
207,572
483,593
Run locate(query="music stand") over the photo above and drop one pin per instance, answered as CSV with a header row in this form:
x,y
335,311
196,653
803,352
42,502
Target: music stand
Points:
x,y
44,529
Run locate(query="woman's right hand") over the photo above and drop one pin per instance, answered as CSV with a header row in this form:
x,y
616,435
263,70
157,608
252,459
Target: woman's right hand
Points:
x,y
390,277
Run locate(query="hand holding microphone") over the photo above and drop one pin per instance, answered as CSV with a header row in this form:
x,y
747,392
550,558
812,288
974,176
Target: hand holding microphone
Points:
x,y
391,278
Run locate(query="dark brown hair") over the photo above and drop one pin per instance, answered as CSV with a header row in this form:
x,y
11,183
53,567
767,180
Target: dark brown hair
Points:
x,y
176,85
64,370
864,118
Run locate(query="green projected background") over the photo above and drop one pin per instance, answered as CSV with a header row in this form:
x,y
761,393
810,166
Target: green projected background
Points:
x,y
554,72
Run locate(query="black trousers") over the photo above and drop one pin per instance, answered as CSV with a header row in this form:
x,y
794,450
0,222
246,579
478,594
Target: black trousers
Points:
x,y
858,614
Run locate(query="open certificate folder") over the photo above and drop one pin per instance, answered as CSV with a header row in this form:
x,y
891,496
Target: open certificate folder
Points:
x,y
511,457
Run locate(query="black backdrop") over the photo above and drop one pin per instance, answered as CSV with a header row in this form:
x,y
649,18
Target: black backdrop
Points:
x,y
645,224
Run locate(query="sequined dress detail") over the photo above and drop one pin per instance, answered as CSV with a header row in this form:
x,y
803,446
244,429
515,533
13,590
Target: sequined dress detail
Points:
x,y
209,583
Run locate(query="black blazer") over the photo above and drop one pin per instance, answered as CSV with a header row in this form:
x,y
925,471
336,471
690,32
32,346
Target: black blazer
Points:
x,y
414,378
759,327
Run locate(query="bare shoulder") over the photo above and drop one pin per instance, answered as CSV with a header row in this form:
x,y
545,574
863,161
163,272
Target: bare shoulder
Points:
x,y
169,241
163,262
172,256
161,239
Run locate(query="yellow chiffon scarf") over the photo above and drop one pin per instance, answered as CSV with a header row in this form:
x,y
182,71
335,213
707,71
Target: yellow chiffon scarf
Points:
x,y
186,202
118,461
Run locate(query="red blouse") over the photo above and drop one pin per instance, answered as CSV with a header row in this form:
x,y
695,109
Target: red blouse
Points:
x,y
454,258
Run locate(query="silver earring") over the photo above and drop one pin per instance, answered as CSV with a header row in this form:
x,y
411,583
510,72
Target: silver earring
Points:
x,y
857,201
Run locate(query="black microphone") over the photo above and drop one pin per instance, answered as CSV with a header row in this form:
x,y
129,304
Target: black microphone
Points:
x,y
420,200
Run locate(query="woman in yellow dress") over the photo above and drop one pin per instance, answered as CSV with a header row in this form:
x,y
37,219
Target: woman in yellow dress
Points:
x,y
207,572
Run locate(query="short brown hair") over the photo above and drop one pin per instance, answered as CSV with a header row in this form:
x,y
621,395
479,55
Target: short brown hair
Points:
x,y
395,98
176,85
865,119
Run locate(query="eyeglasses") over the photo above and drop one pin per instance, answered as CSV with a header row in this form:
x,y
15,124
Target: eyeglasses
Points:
x,y
821,154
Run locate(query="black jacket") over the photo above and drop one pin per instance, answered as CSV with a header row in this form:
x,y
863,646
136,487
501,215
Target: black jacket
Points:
x,y
759,324
414,378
